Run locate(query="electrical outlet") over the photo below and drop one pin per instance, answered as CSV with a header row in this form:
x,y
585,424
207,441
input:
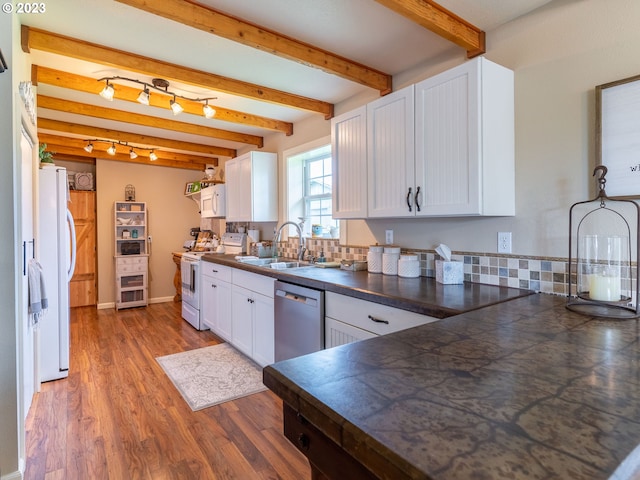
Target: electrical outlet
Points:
x,y
504,242
388,237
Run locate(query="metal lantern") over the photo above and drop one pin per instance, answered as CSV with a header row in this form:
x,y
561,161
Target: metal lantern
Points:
x,y
130,193
603,243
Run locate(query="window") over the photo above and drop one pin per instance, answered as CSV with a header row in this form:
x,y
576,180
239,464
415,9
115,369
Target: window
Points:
x,y
317,188
309,187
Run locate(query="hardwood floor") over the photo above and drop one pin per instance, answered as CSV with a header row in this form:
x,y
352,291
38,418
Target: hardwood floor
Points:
x,y
118,416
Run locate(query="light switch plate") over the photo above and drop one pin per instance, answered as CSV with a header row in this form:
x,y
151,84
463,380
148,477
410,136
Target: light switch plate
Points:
x,y
388,237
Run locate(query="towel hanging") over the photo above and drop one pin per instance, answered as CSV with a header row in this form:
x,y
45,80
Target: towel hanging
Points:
x,y
38,301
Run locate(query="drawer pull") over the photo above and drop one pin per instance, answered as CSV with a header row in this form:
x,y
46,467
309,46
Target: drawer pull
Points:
x,y
303,441
377,320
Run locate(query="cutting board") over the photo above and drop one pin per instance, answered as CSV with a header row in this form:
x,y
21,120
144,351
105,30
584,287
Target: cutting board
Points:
x,y
327,264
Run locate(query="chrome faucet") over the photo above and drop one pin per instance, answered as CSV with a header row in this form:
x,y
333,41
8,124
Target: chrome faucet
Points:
x,y
276,239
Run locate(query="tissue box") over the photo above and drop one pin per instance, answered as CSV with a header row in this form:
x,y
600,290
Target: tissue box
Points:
x,y
449,272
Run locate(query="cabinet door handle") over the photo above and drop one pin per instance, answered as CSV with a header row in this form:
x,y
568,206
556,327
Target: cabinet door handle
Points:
x,y
377,320
417,200
214,285
250,300
303,441
409,199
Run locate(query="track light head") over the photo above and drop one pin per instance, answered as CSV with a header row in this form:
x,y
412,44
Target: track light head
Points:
x,y
208,110
112,149
143,97
152,156
107,92
175,106
88,147
132,154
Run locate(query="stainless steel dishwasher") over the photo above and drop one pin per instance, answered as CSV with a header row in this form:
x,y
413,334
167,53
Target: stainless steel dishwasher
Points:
x,y
299,320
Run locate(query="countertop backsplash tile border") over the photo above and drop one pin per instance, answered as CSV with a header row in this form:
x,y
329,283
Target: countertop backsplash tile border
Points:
x,y
541,274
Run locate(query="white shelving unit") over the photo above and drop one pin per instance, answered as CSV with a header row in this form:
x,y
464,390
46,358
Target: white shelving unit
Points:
x,y
131,254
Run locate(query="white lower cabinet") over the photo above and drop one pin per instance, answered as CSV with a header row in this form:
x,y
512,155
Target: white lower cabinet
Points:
x,y
252,316
215,284
216,306
238,307
349,319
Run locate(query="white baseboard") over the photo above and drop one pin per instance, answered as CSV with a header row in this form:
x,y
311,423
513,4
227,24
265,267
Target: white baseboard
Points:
x,y
161,299
102,306
12,476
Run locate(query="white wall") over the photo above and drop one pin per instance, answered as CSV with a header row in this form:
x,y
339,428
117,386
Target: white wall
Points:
x,y
559,54
171,215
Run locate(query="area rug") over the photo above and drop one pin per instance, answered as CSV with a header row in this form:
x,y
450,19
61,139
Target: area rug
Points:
x,y
212,375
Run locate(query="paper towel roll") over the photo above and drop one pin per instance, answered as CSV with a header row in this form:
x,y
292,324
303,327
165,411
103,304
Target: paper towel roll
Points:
x,y
254,236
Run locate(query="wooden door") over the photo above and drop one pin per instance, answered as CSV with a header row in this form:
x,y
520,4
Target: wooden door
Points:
x,y
83,288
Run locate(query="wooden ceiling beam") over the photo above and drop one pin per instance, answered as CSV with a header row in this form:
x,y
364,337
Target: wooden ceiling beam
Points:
x,y
68,106
64,146
33,38
441,21
134,138
232,28
80,83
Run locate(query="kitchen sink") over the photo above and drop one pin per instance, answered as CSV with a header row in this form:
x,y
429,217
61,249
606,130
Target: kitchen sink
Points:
x,y
275,263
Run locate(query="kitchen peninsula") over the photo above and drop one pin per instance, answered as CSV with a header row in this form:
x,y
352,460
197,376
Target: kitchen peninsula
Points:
x,y
521,389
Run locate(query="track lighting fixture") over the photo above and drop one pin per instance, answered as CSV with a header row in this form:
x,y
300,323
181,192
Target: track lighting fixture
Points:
x,y
208,110
107,92
143,98
161,85
133,154
175,106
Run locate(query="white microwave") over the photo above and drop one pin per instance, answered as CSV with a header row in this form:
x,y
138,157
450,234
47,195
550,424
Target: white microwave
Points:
x,y
212,201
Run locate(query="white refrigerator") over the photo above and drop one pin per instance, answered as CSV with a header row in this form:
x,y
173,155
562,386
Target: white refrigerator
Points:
x,y
57,247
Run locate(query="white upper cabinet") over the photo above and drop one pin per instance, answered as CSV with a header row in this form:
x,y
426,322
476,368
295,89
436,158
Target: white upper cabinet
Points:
x,y
465,141
252,188
349,164
390,155
442,147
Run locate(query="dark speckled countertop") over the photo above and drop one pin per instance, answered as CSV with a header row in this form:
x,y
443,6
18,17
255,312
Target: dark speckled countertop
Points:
x,y
520,390
421,295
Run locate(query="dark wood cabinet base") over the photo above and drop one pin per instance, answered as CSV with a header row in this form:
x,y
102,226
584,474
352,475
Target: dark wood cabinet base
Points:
x,y
327,459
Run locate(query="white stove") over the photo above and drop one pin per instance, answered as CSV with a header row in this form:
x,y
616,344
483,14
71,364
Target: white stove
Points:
x,y
190,278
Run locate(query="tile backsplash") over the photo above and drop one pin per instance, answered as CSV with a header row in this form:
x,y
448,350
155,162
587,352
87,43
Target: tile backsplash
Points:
x,y
542,274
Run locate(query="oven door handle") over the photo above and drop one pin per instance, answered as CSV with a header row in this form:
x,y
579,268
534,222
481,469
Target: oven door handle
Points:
x,y
192,285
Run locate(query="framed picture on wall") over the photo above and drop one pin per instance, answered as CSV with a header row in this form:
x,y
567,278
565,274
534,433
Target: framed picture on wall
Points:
x,y
618,136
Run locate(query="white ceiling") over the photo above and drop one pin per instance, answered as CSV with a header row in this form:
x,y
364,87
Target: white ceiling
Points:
x,y
360,30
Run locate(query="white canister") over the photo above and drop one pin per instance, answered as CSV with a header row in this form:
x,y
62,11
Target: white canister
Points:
x,y
374,259
254,235
408,266
390,257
